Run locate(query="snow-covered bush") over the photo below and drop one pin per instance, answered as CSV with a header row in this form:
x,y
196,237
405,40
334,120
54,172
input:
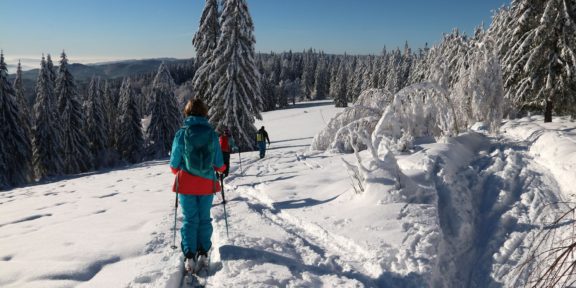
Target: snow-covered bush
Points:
x,y
344,142
359,114
363,116
375,98
377,172
418,110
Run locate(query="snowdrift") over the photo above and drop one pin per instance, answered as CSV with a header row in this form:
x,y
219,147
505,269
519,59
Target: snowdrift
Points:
x,y
553,145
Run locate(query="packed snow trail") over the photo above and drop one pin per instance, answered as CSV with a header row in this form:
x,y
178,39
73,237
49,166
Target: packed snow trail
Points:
x,y
309,248
488,210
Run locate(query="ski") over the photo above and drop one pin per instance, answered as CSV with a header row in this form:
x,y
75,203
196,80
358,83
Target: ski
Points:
x,y
198,277
202,275
195,279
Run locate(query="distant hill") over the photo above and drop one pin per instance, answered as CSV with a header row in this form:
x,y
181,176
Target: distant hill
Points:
x,y
108,70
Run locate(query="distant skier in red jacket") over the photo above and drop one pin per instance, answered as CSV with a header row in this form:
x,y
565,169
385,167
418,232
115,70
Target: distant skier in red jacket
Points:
x,y
227,144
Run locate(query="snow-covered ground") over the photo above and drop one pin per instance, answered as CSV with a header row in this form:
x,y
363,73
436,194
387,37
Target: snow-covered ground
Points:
x,y
469,211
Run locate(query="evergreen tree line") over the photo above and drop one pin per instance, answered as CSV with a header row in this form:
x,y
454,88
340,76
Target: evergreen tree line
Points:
x,y
310,75
534,43
68,133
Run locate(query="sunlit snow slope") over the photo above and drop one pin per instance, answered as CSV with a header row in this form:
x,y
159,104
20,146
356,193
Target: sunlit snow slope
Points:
x,y
295,220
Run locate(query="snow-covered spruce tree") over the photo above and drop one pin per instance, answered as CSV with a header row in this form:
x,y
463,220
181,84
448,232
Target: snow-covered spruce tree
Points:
x,y
205,42
321,84
356,80
268,94
276,70
478,94
393,78
236,100
351,77
368,78
406,66
130,142
446,59
165,118
500,30
15,151
419,67
308,74
95,124
340,89
334,69
540,66
206,38
50,67
111,112
23,106
282,94
76,154
47,149
383,69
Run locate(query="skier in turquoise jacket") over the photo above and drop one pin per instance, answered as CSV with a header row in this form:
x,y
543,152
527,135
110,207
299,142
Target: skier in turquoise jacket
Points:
x,y
195,159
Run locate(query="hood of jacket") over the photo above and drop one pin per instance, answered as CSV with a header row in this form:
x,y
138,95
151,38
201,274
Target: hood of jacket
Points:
x,y
196,120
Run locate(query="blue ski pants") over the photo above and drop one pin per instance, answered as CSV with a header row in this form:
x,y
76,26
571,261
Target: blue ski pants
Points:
x,y
262,147
197,228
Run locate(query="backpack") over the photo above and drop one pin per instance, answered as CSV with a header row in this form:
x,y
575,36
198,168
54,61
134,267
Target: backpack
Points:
x,y
198,150
259,136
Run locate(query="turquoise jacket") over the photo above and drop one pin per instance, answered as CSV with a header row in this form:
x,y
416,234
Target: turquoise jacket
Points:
x,y
188,183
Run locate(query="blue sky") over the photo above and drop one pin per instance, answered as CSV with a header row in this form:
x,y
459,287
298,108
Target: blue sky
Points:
x,y
134,29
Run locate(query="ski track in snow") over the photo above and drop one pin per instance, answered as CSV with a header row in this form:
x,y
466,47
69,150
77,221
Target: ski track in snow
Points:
x,y
489,213
316,249
308,251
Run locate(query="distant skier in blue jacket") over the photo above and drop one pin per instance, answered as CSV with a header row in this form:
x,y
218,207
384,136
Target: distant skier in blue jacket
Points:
x,y
195,157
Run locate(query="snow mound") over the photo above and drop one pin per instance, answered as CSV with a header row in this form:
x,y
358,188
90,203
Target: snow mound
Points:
x,y
553,145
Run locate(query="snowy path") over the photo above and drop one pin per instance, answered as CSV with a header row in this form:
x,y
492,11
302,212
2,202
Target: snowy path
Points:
x,y
490,211
305,249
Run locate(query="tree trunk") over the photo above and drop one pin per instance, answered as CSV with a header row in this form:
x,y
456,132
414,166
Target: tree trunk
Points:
x,y
548,110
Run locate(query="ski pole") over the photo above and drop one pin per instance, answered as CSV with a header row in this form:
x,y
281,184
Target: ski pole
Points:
x,y
224,204
240,156
175,213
